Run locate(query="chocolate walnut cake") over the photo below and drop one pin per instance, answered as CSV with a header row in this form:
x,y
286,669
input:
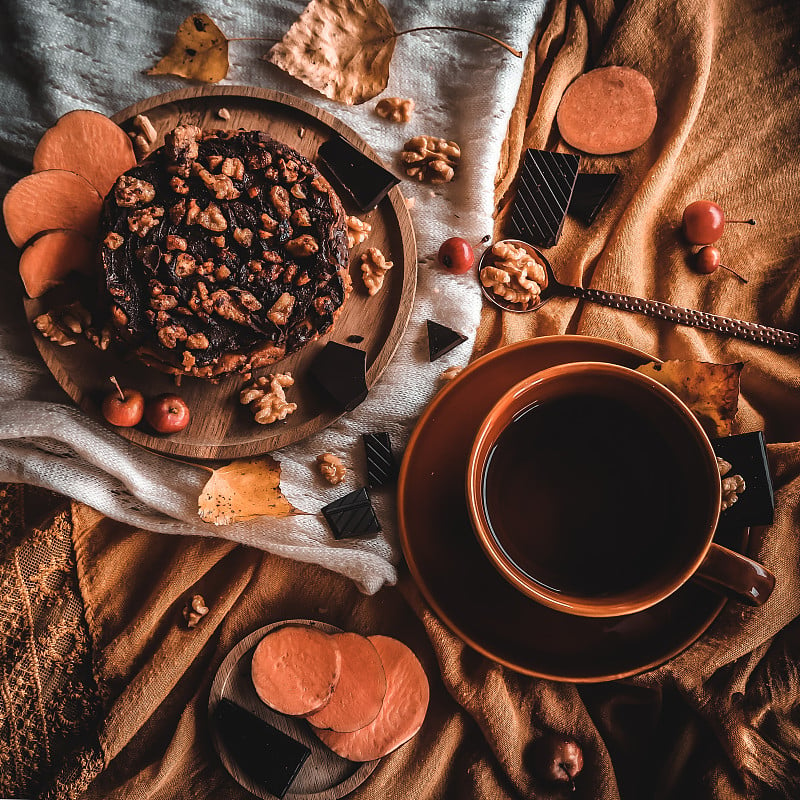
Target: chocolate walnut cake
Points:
x,y
224,251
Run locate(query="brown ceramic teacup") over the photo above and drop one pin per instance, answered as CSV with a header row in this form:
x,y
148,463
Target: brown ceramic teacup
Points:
x,y
594,490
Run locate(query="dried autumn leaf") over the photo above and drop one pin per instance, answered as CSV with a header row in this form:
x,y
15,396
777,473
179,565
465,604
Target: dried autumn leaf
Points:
x,y
341,48
243,490
710,390
199,52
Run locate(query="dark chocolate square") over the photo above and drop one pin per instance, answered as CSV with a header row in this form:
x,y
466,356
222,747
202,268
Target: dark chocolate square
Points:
x,y
381,466
269,757
544,190
590,194
442,339
341,372
363,179
352,516
747,455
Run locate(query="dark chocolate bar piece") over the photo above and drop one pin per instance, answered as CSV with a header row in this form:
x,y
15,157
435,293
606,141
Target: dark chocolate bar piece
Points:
x,y
381,466
341,372
363,179
269,757
546,182
442,339
590,194
352,516
747,455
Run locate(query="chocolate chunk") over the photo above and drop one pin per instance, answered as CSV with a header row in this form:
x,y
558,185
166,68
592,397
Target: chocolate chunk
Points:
x,y
352,516
381,466
363,179
269,756
747,455
442,339
341,373
355,338
545,187
590,194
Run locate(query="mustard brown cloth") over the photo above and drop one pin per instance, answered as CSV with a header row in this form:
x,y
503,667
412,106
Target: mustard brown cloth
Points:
x,y
719,721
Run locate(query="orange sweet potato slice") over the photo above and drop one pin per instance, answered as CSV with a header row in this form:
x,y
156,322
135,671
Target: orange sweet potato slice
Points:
x,y
88,143
402,712
358,696
607,110
50,200
51,256
295,669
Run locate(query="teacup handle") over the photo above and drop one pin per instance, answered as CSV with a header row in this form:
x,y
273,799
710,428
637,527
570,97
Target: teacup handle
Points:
x,y
735,575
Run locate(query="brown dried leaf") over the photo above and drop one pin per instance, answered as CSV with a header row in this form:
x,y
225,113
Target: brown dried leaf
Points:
x,y
243,490
341,48
199,52
710,390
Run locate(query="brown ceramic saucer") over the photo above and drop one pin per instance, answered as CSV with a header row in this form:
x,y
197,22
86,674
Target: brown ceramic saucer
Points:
x,y
462,586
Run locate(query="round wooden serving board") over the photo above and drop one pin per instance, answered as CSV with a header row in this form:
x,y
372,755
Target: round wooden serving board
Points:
x,y
324,776
221,427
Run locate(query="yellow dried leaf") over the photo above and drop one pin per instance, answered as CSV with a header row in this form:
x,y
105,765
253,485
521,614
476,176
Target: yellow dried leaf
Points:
x,y
710,390
341,48
243,490
199,52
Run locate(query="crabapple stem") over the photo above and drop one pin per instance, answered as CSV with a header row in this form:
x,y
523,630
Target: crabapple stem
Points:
x,y
734,272
740,221
116,383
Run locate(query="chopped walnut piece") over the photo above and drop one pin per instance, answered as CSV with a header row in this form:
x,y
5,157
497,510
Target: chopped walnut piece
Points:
x,y
170,335
221,185
130,191
47,325
517,276
244,236
281,309
303,245
732,485
178,185
280,201
410,202
176,243
226,308
182,143
185,265
450,373
331,468
267,399
197,341
357,230
298,192
101,339
211,219
223,113
195,610
233,168
395,109
373,269
113,240
301,218
430,158
143,220
222,272
75,317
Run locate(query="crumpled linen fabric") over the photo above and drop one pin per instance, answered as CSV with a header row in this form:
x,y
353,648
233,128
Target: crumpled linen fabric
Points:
x,y
58,56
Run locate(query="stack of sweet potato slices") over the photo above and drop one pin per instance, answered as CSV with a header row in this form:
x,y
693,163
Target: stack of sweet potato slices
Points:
x,y
363,696
53,214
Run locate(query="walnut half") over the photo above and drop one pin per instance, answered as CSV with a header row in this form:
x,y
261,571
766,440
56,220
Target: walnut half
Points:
x,y
331,468
732,485
357,230
267,399
373,269
395,109
430,158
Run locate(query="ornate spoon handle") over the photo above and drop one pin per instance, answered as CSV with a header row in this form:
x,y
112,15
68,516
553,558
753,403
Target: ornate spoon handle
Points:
x,y
751,331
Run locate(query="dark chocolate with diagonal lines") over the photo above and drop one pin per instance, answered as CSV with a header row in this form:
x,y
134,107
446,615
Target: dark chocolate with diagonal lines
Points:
x,y
352,516
381,466
546,183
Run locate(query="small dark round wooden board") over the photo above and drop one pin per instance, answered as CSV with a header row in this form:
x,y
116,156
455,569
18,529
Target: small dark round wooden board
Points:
x,y
221,427
324,776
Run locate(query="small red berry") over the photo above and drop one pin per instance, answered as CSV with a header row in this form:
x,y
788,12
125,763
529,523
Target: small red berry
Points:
x,y
123,407
167,413
456,255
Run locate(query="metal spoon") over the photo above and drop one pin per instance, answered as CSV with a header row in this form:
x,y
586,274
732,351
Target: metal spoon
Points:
x,y
750,331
